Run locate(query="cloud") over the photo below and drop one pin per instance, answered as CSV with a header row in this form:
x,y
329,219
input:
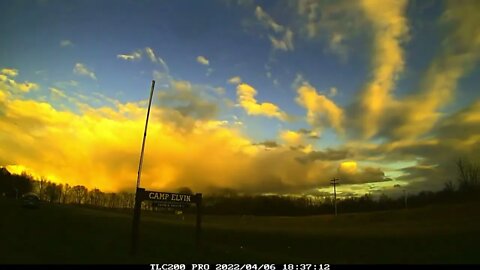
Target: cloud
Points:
x,y
9,85
349,173
246,98
292,138
64,147
202,60
163,64
268,144
329,154
321,111
188,101
57,93
332,92
298,81
335,23
267,20
66,43
285,43
66,84
150,54
220,90
235,80
82,70
154,59
390,29
311,134
136,55
162,77
429,161
459,52
337,45
282,37
10,72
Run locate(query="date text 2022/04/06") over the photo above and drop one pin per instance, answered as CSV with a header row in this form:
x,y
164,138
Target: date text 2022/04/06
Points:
x,y
238,266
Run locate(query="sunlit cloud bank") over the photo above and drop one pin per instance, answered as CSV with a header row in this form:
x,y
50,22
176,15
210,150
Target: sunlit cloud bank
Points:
x,y
186,146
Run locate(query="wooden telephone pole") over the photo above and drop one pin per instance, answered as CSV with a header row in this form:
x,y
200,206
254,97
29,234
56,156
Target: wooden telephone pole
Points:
x,y
334,183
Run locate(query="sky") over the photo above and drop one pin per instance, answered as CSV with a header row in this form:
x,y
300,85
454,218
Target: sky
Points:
x,y
258,97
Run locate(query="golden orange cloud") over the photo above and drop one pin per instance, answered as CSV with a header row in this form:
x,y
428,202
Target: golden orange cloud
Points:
x,y
321,110
390,27
99,147
246,97
8,83
459,53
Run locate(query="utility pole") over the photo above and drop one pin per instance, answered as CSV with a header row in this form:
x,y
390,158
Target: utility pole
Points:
x,y
334,183
138,191
405,194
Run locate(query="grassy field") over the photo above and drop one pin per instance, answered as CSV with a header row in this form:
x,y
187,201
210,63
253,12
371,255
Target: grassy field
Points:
x,y
69,234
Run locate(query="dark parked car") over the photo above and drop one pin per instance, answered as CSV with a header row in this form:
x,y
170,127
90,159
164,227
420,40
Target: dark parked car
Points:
x,y
30,200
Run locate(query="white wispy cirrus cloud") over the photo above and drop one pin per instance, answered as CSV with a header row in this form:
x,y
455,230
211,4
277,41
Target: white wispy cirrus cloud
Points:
x,y
82,70
282,37
150,54
235,80
203,60
66,43
136,55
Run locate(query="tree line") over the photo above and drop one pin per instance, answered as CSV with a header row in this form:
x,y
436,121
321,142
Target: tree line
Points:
x,y
466,187
16,185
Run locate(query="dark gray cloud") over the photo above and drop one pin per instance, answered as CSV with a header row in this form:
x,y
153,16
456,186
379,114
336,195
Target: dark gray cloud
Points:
x,y
366,175
191,101
309,133
329,154
268,144
454,136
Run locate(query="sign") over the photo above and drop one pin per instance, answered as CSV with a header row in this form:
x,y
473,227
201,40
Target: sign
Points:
x,y
170,205
167,197
169,200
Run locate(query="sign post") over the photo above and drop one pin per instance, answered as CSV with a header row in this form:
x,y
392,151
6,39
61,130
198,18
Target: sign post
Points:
x,y
136,220
198,231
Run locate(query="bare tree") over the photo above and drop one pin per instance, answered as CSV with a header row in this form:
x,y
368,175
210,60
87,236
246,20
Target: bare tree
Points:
x,y
52,191
468,175
126,199
66,193
42,184
79,193
94,197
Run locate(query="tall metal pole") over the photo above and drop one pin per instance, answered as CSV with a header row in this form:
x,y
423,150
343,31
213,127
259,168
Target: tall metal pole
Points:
x,y
138,190
144,136
334,183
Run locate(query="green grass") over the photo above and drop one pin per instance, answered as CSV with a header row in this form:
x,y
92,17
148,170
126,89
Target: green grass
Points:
x,y
70,234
